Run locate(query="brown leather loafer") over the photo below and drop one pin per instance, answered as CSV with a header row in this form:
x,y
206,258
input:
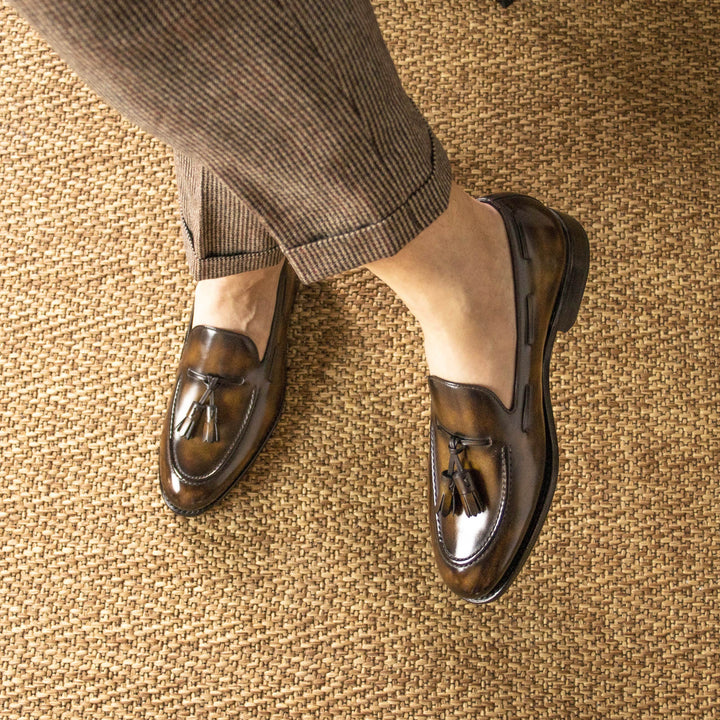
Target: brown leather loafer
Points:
x,y
493,470
224,407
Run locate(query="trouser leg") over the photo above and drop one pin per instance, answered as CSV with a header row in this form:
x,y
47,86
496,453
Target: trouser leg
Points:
x,y
294,105
222,234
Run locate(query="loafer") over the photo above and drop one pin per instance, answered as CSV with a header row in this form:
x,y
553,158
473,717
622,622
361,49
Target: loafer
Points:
x,y
224,406
493,469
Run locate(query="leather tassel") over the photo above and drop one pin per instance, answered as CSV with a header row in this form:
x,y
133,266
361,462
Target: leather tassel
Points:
x,y
211,429
469,497
187,425
457,479
446,496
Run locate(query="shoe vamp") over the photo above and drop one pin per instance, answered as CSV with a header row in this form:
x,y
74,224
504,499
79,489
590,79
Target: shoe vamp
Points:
x,y
200,456
464,536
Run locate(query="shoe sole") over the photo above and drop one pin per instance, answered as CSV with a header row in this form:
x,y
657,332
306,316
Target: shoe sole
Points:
x,y
565,312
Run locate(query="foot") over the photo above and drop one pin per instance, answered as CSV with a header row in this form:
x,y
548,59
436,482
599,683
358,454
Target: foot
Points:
x,y
493,470
243,303
226,400
456,278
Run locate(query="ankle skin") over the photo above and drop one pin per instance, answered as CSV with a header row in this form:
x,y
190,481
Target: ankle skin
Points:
x,y
243,303
456,278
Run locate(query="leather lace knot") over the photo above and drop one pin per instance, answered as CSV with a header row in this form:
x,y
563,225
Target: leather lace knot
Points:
x,y
205,406
457,482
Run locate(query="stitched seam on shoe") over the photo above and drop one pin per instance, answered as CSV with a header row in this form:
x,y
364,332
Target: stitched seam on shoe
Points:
x,y
200,479
503,502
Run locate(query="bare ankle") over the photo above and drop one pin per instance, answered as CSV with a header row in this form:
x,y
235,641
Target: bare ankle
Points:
x,y
456,278
466,234
243,303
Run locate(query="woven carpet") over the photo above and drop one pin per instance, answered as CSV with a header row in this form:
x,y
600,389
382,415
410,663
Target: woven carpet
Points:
x,y
310,591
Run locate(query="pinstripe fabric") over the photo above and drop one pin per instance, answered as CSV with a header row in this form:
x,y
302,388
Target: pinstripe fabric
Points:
x,y
293,107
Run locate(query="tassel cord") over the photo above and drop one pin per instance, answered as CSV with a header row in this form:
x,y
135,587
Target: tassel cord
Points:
x,y
206,405
456,480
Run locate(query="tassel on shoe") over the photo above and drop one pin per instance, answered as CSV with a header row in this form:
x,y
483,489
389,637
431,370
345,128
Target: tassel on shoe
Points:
x,y
469,497
188,424
457,480
446,496
211,428
186,427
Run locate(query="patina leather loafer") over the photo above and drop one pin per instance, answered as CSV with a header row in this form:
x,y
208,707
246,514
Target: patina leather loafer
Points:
x,y
224,406
493,470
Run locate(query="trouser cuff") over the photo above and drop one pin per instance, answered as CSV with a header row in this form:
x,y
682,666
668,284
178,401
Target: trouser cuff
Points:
x,y
210,268
325,257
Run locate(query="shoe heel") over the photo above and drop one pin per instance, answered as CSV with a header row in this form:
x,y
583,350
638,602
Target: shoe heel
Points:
x,y
576,272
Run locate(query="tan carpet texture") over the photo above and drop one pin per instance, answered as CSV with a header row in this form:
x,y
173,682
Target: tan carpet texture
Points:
x,y
310,591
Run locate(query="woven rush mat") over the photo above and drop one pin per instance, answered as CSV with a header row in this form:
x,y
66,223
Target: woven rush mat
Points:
x,y
310,592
